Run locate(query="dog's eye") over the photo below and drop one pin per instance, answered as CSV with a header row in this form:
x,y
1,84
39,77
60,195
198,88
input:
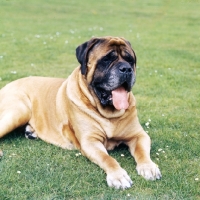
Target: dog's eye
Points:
x,y
109,58
128,58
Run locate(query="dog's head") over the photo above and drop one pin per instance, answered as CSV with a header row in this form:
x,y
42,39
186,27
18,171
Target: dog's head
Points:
x,y
109,66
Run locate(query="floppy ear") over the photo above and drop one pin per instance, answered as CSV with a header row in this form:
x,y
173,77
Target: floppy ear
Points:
x,y
82,52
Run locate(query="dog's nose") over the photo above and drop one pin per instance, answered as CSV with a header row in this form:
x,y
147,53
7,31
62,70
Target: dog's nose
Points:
x,y
124,69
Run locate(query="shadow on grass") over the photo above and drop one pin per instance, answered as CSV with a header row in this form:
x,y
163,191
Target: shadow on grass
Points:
x,y
16,134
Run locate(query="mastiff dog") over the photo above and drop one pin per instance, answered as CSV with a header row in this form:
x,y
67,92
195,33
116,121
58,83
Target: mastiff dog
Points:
x,y
93,110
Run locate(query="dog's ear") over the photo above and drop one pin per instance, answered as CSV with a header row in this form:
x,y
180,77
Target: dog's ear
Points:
x,y
82,52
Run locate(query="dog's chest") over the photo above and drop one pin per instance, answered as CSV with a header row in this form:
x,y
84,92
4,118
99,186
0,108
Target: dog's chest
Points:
x,y
114,129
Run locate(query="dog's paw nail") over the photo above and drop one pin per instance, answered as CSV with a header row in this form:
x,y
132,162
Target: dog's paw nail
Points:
x,y
30,135
119,179
149,171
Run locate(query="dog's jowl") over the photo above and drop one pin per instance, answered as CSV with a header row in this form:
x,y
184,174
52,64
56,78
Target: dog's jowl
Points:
x,y
93,110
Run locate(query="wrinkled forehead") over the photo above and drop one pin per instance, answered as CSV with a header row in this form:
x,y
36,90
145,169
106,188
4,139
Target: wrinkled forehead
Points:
x,y
112,44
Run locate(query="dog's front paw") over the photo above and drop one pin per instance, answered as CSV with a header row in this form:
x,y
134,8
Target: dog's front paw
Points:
x,y
149,171
119,179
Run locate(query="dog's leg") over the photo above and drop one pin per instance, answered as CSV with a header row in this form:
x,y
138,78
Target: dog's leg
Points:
x,y
13,117
30,132
140,150
96,152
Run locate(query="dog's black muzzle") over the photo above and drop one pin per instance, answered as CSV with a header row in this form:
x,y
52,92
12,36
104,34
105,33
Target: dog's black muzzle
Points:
x,y
121,74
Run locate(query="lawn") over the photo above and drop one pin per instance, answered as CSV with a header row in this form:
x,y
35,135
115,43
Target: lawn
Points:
x,y
39,37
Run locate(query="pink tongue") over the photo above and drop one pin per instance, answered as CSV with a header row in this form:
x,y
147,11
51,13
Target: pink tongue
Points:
x,y
120,98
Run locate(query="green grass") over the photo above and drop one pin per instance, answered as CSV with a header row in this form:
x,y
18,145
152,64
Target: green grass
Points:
x,y
39,37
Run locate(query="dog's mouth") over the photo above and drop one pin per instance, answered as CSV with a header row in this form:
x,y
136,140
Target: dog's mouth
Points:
x,y
118,97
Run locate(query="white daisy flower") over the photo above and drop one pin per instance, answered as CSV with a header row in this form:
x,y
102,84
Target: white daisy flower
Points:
x,y
147,124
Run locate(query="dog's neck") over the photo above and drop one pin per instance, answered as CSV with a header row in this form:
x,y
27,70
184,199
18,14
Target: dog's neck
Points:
x,y
106,111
